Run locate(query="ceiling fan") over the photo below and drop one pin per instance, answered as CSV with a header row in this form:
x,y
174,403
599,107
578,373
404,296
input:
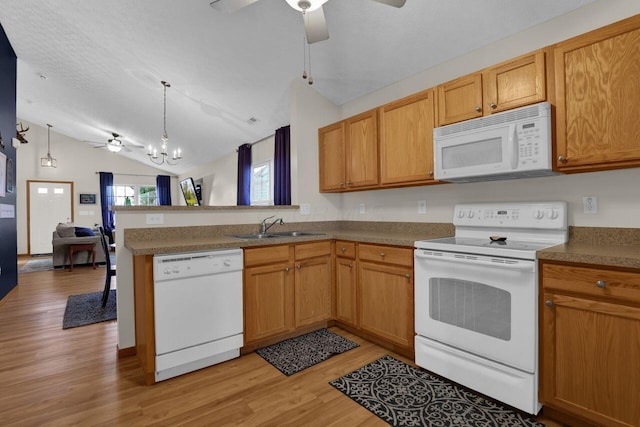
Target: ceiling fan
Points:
x,y
315,25
114,144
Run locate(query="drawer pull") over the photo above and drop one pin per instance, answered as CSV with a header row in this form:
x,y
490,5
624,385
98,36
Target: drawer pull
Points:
x,y
350,265
548,303
343,250
382,254
601,283
299,266
408,276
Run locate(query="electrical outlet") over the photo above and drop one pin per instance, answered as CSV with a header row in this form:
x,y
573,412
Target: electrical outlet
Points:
x,y
590,204
155,219
305,209
422,206
362,209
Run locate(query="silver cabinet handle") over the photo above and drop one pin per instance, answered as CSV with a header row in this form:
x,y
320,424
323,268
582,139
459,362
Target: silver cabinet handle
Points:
x,y
351,265
348,182
343,250
298,266
601,283
562,159
382,254
430,173
548,303
478,109
408,276
493,106
287,269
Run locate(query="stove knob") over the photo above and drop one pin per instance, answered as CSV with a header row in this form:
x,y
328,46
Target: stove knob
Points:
x,y
461,213
470,214
538,214
552,214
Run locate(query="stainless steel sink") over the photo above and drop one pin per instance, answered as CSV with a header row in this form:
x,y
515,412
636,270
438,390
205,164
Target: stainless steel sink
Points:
x,y
274,235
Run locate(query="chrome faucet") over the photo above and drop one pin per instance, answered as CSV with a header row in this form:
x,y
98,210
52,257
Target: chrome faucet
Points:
x,y
264,227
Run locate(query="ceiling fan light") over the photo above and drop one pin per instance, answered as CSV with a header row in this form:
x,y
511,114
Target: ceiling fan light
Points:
x,y
313,4
114,147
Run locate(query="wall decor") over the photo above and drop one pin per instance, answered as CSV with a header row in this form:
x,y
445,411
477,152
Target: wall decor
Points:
x,y
87,199
10,179
3,173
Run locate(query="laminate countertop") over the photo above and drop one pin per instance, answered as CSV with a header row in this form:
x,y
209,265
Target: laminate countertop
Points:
x,y
180,239
606,255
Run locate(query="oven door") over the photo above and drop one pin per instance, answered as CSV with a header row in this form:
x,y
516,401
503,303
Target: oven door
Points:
x,y
480,304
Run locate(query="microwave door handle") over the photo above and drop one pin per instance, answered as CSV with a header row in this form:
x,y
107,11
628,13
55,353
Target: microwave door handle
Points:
x,y
513,143
518,265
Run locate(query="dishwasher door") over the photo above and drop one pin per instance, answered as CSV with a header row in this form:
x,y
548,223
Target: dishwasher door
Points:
x,y
197,299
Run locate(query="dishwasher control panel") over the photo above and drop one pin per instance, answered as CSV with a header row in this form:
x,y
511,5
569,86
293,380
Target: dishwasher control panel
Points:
x,y
176,266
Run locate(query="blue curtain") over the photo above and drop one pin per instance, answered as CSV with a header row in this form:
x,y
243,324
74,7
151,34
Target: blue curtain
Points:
x,y
163,190
282,167
244,175
107,199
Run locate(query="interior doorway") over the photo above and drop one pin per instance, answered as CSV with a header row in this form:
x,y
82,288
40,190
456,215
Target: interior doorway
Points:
x,y
48,203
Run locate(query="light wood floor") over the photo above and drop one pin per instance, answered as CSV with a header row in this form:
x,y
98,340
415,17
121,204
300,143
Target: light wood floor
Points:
x,y
50,376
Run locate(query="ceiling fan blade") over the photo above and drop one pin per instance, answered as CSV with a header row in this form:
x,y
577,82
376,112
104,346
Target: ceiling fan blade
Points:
x,y
394,3
315,26
230,6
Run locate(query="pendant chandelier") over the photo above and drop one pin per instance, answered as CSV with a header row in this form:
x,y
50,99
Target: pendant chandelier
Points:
x,y
48,161
163,156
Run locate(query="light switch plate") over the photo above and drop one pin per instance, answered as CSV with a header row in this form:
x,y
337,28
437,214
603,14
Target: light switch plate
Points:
x,y
305,209
422,206
362,209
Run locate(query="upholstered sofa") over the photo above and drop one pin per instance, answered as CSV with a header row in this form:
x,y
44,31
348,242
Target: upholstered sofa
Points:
x,y
61,250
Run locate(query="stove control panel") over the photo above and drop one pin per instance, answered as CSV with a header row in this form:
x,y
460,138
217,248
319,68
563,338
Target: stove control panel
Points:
x,y
551,215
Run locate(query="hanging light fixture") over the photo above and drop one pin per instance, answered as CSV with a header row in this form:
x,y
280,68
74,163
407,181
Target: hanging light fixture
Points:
x,y
48,161
152,152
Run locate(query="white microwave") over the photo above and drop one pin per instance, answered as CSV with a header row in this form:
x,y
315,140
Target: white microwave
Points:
x,y
511,144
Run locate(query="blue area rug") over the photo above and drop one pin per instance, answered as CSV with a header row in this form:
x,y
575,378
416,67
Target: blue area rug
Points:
x,y
45,264
86,309
403,395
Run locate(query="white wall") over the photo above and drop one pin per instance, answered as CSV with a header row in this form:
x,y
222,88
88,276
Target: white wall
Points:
x,y
77,162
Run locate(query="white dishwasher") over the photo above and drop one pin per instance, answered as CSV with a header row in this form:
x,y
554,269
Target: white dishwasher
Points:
x,y
197,310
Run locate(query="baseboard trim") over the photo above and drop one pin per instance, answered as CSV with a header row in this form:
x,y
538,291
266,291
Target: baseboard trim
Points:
x,y
126,352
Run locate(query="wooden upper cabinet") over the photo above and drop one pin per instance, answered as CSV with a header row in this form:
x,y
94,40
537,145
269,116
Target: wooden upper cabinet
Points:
x,y
460,99
331,151
597,92
515,83
406,140
362,150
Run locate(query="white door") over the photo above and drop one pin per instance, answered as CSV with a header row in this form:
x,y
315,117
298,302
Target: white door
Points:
x,y
49,204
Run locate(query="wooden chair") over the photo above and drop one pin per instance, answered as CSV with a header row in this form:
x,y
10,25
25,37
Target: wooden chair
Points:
x,y
111,270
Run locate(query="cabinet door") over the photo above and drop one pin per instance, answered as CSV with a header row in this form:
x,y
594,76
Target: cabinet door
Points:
x,y
406,140
268,301
331,151
590,351
460,99
313,294
346,274
597,90
385,302
362,150
515,83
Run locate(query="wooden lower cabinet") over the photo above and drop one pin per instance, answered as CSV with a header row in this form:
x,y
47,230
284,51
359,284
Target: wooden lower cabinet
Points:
x,y
346,276
313,290
385,299
590,343
268,301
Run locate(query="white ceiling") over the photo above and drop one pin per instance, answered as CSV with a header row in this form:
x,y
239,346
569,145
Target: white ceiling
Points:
x,y
104,60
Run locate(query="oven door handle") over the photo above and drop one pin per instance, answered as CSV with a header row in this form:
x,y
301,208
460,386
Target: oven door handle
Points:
x,y
484,261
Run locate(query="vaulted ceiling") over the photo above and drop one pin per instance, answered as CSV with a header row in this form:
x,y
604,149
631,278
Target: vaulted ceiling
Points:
x,y
93,67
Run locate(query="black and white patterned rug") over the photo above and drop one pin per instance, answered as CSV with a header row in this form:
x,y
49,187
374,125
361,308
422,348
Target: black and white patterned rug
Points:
x,y
295,354
406,396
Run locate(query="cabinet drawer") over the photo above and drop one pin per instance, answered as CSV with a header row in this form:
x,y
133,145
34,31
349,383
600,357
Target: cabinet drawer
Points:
x,y
592,281
387,254
345,249
310,250
266,255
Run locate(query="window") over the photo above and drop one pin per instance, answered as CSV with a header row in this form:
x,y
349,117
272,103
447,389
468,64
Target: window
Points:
x,y
134,195
261,183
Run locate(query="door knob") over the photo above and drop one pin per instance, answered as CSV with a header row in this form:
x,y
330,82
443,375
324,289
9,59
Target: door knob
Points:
x,y
548,303
478,109
493,106
601,283
562,159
